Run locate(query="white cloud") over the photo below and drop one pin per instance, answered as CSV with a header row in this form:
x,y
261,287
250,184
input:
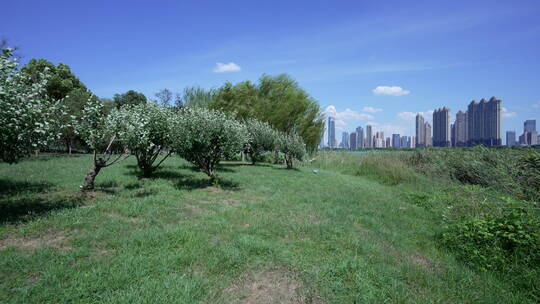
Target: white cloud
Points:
x,y
227,67
506,114
348,114
390,90
536,105
371,110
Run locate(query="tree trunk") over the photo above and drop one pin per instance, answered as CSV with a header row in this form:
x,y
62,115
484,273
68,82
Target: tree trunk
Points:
x,y
88,183
289,161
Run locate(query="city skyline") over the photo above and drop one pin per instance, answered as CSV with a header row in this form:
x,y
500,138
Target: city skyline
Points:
x,y
480,123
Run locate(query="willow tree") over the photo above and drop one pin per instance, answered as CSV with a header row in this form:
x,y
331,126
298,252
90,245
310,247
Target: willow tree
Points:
x,y
277,100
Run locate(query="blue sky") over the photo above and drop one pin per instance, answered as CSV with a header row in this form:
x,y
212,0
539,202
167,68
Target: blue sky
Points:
x,y
421,54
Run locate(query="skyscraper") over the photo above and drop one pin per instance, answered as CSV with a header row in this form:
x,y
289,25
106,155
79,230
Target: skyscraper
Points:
x,y
420,131
331,132
460,131
369,136
345,140
510,138
360,141
388,143
530,136
484,122
529,125
353,140
441,127
404,142
428,140
396,140
412,142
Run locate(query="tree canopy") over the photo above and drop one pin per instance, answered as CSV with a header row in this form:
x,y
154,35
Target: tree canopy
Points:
x,y
129,98
60,82
277,100
28,119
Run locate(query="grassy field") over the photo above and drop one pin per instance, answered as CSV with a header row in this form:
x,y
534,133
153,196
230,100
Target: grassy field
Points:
x,y
265,235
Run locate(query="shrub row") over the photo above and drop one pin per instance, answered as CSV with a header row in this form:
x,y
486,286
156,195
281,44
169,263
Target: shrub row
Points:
x,y
202,136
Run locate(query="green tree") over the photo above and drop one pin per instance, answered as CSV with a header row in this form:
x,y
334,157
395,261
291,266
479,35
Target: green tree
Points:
x,y
277,100
100,132
62,85
196,97
129,98
292,146
145,130
204,137
61,82
27,117
262,138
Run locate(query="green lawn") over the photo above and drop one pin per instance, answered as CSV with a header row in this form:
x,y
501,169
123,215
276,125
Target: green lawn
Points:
x,y
266,235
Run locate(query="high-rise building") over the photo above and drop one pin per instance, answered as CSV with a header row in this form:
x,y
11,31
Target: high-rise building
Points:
x,y
404,142
453,135
530,136
428,139
331,132
345,140
460,126
396,140
369,136
510,138
420,131
529,125
353,140
484,122
441,127
412,142
388,143
360,141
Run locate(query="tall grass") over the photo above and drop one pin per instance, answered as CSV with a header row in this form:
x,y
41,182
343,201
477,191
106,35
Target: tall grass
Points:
x,y
390,168
486,201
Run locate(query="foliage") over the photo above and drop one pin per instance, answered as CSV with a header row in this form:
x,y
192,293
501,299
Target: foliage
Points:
x,y
100,132
277,100
145,130
63,85
129,98
203,137
262,138
196,97
292,146
61,81
512,171
497,242
27,116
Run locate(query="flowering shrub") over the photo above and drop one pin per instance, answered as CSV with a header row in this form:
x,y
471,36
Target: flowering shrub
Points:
x,y
292,146
145,130
27,116
203,137
100,132
262,138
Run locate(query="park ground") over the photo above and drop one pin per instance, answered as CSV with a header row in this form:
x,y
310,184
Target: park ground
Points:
x,y
264,235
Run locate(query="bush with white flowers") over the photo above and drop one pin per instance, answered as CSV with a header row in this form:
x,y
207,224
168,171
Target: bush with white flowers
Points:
x,y
145,130
27,116
204,137
101,133
292,146
262,138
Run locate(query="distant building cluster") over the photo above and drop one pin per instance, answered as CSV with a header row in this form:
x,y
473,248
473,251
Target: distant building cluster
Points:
x,y
480,124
